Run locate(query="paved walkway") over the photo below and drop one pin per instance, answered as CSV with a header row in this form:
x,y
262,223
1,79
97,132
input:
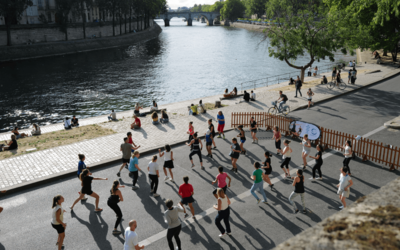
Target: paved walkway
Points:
x,y
35,166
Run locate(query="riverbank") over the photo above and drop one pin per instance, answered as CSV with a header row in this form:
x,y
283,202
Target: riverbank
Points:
x,y
252,27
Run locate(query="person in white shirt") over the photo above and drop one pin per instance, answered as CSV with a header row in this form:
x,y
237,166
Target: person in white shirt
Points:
x,y
309,71
131,237
344,185
253,96
351,64
112,116
154,107
67,123
154,174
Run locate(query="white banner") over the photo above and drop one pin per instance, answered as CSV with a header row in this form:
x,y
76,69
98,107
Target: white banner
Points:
x,y
312,130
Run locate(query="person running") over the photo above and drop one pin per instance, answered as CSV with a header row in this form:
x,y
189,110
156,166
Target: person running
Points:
x,y
126,149
174,224
223,213
253,129
286,156
186,192
221,179
134,168
208,142
348,153
196,149
318,163
309,98
234,154
258,177
268,169
334,73
212,130
81,167
306,150
87,189
58,220
344,185
277,137
131,237
130,141
242,136
221,124
298,183
168,162
154,174
113,200
190,132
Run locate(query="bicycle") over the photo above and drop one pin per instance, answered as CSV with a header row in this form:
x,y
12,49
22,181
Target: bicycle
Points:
x,y
341,85
274,110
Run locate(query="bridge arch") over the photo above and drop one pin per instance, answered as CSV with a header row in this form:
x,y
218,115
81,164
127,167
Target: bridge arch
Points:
x,y
209,16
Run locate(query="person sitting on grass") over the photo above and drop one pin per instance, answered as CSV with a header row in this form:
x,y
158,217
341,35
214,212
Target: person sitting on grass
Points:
x,y
154,116
36,129
164,117
136,124
67,123
17,134
74,121
10,145
194,109
112,116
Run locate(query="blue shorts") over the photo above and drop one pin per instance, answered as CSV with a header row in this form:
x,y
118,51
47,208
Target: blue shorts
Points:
x,y
18,136
242,141
132,150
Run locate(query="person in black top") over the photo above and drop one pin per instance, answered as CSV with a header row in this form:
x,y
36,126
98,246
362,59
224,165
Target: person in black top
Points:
x,y
234,154
10,145
298,183
298,86
283,99
324,80
253,129
74,122
197,147
246,96
113,200
242,136
268,168
164,117
291,81
334,73
212,130
318,163
86,180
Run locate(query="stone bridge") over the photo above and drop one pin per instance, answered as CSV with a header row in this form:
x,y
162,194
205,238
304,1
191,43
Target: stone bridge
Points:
x,y
208,16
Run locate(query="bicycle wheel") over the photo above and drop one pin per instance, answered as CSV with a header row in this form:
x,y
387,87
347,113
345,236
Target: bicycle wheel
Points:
x,y
342,85
272,111
286,110
331,85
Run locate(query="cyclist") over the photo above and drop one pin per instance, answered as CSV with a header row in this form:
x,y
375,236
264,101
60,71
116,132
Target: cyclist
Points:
x,y
283,99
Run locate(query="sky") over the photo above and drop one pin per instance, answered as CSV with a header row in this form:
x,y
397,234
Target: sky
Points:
x,y
174,4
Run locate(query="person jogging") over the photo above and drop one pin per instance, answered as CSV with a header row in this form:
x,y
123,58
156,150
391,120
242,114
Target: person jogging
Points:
x,y
134,168
212,130
277,137
154,174
57,221
318,163
306,150
81,167
268,169
131,237
221,124
234,154
223,213
298,183
190,132
126,149
168,162
348,153
286,156
86,180
197,147
130,141
344,185
253,129
221,179
309,98
186,192
208,142
258,177
174,224
242,136
113,200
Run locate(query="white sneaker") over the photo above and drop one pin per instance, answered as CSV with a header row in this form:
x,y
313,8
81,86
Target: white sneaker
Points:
x,y
166,178
341,207
229,234
155,195
222,235
320,178
172,180
312,179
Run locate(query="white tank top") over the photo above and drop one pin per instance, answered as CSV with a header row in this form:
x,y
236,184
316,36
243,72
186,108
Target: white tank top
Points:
x,y
305,149
224,203
54,219
167,156
347,151
287,154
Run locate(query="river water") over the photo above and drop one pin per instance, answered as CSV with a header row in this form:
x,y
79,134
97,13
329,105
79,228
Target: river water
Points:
x,y
182,63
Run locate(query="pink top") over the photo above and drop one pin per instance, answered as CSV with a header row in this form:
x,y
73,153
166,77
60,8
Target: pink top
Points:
x,y
222,180
191,131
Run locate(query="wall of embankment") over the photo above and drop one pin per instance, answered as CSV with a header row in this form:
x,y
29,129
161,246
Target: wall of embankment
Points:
x,y
248,26
46,49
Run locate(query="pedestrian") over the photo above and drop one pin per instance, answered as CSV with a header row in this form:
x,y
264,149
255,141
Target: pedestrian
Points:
x,y
349,76
318,163
208,142
212,130
277,137
3,192
253,129
130,141
348,153
196,149
134,168
126,149
286,156
310,95
87,189
174,224
353,76
298,183
186,192
113,200
190,132
154,174
57,221
112,116
309,71
344,185
221,124
315,71
234,154
221,179
168,162
242,136
298,86
334,73
306,150
258,177
81,167
223,213
268,169
131,237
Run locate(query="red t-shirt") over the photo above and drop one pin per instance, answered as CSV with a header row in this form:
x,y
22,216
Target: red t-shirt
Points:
x,y
186,190
137,121
130,140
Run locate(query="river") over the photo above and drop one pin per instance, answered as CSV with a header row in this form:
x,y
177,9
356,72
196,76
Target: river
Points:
x,y
182,63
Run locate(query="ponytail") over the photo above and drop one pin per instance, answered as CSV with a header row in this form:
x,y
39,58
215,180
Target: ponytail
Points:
x,y
55,200
84,173
114,187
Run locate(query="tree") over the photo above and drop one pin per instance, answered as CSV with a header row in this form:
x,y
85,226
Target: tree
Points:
x,y
81,6
301,29
255,7
12,10
216,7
232,10
63,9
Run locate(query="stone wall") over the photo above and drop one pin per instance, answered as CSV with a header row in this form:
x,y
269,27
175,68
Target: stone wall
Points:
x,y
253,27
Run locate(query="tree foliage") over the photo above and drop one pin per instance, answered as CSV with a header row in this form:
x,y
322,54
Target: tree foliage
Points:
x,y
232,10
64,7
255,7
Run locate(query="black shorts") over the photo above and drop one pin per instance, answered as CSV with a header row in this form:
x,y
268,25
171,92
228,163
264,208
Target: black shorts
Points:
x,y
187,200
168,164
278,144
60,229
268,171
224,188
254,130
88,192
125,160
208,143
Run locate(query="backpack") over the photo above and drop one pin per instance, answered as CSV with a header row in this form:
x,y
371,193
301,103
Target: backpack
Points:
x,y
284,98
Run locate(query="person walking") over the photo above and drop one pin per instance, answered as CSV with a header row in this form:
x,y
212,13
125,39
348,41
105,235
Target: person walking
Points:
x,y
130,141
131,237
334,73
298,183
168,162
186,192
309,98
208,142
349,76
348,153
309,71
81,167
268,169
174,224
221,179
113,200
234,154
242,136
212,130
57,221
126,149
134,168
286,156
298,86
223,213
258,177
306,150
318,163
154,174
344,185
253,129
86,180
277,137
190,132
315,71
221,124
197,147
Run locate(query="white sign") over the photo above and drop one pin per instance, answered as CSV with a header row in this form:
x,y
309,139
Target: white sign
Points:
x,y
303,128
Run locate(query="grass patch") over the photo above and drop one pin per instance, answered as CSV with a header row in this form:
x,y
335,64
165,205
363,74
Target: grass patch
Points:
x,y
210,106
57,138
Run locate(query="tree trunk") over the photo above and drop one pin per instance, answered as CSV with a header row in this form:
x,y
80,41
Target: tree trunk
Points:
x,y
8,26
120,24
394,53
113,23
66,29
125,23
303,70
83,21
130,19
384,53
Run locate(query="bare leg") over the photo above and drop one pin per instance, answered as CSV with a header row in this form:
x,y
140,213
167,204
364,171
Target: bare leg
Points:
x,y
96,196
267,180
165,172
343,199
61,240
77,200
172,175
191,208
122,167
213,142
